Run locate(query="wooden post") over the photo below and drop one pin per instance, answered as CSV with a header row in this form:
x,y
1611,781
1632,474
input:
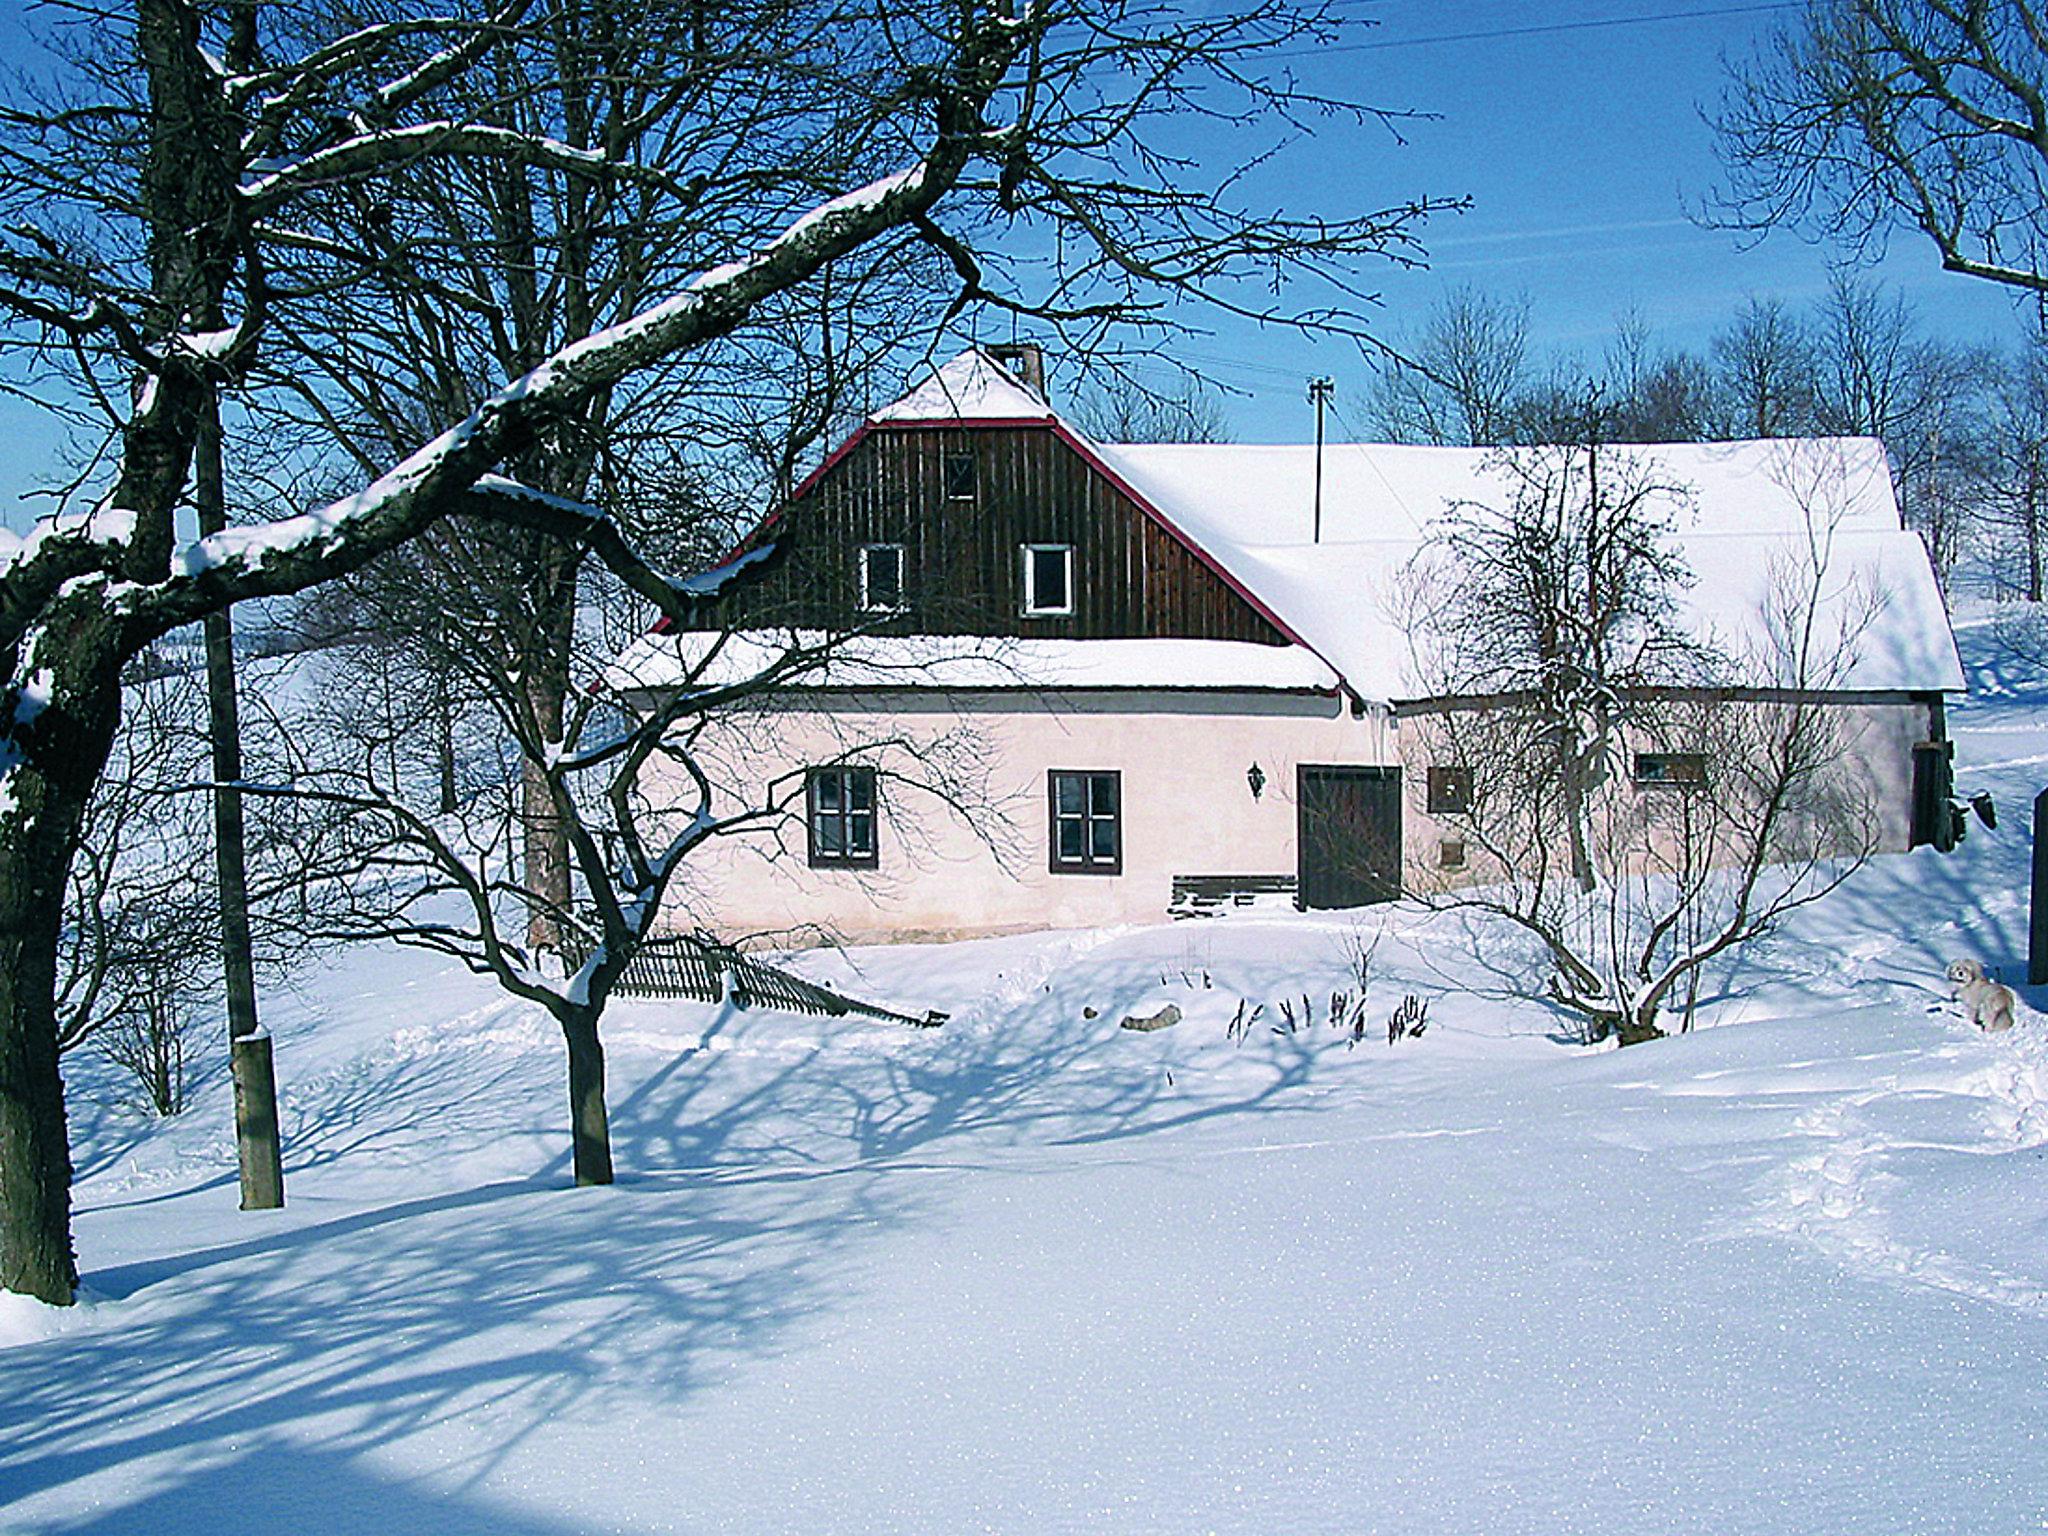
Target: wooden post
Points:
x,y
256,1138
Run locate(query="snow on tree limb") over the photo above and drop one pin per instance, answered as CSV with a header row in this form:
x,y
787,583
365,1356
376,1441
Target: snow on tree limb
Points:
x,y
381,147
286,555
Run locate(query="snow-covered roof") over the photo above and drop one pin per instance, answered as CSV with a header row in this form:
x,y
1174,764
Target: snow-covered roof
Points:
x,y
972,387
1747,517
867,662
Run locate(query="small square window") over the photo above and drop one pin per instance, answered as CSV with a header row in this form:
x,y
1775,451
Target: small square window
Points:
x,y
1450,791
1048,578
1450,854
962,476
881,578
1086,811
840,810
1679,770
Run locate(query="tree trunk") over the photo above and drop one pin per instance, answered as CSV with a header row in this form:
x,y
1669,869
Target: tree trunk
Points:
x,y
1635,1029
444,741
2033,517
42,802
589,1127
547,674
256,1135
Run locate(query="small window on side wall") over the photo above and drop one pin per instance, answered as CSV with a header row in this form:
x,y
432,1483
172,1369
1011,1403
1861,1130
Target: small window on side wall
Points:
x,y
1048,578
840,807
962,476
881,578
1086,812
1450,791
1675,770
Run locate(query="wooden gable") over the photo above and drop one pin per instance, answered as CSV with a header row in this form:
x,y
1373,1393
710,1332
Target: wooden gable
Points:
x,y
963,566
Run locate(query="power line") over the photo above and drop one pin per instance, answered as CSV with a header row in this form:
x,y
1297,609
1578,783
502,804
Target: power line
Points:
x,y
1543,28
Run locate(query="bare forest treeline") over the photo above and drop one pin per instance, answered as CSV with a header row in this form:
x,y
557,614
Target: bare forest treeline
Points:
x,y
1965,426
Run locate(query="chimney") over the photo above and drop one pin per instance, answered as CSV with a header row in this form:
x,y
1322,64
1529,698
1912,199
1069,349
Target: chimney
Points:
x,y
1023,361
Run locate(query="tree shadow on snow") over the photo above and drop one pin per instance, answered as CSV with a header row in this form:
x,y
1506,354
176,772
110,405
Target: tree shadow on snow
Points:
x,y
755,1182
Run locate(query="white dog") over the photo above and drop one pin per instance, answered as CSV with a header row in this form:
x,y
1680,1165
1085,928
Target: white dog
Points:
x,y
1986,1003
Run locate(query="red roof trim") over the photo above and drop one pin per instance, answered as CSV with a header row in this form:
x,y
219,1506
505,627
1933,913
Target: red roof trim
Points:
x,y
1089,456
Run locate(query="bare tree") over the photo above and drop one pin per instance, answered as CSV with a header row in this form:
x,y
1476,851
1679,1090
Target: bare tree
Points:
x,y
132,906
1124,409
1863,116
454,884
1764,367
159,199
1461,377
2013,496
1881,376
1545,627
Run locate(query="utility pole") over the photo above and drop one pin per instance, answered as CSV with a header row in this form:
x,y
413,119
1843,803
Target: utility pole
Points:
x,y
249,1059
1319,392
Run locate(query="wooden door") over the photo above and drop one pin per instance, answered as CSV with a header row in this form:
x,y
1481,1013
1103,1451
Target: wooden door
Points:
x,y
1348,836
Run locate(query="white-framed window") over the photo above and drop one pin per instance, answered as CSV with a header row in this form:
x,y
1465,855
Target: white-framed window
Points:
x,y
1048,578
1085,809
840,806
881,578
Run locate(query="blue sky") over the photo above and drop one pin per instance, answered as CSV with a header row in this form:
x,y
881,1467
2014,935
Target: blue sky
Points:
x,y
1583,151
1582,148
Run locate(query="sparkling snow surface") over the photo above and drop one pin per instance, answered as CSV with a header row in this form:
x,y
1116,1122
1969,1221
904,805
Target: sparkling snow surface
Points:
x,y
1030,1273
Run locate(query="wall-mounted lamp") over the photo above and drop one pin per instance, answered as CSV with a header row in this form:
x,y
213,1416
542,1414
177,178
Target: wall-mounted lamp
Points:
x,y
1256,777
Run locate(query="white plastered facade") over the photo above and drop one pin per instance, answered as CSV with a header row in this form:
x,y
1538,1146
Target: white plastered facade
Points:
x,y
1184,756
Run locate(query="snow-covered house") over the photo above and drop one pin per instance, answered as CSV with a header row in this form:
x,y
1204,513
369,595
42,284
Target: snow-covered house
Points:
x,y
1093,681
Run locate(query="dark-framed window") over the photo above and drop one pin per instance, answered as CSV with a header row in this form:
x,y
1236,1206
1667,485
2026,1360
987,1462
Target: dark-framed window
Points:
x,y
963,475
1048,578
840,813
1085,808
1450,854
1450,790
1676,770
881,578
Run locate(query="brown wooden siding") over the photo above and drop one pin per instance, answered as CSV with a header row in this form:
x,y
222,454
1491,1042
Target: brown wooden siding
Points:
x,y
963,573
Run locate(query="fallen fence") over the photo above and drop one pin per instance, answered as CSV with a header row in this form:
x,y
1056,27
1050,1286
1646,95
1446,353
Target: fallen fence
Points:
x,y
697,968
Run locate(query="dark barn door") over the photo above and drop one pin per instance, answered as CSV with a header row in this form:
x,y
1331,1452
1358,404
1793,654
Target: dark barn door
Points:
x,y
1349,836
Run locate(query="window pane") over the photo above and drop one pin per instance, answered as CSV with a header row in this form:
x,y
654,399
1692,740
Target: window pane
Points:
x,y
1049,579
1070,839
1102,794
883,576
828,832
1102,841
826,786
1066,788
860,834
860,789
960,475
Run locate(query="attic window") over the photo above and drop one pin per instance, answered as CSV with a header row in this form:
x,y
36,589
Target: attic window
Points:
x,y
881,578
1048,578
1678,770
960,476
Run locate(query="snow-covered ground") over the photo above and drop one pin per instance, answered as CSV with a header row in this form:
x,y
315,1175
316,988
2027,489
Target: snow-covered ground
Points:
x,y
1031,1273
